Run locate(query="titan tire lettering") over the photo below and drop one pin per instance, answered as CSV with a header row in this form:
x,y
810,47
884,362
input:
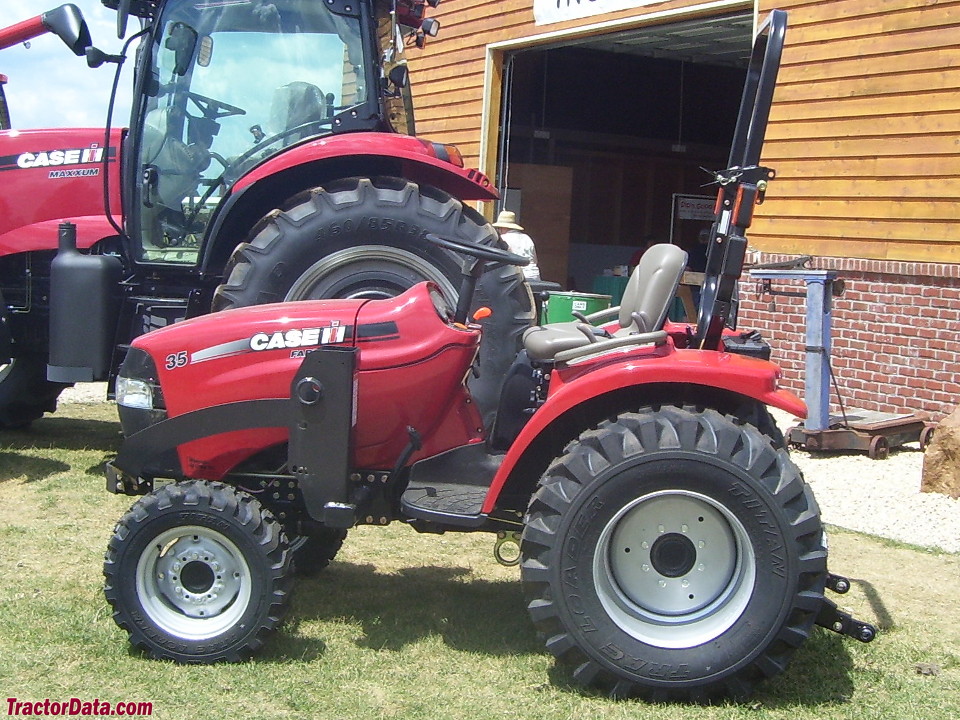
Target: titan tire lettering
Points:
x,y
680,474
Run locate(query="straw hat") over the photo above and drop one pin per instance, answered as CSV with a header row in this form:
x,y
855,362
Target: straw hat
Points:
x,y
507,220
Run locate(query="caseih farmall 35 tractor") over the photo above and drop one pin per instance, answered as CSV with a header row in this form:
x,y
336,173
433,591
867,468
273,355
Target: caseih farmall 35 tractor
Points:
x,y
668,546
269,157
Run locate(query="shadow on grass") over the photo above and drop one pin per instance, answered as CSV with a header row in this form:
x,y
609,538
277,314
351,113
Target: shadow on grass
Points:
x,y
474,615
30,469
819,674
63,433
396,610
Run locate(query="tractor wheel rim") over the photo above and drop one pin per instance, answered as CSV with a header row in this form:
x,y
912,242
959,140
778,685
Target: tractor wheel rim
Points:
x,y
674,569
193,582
372,272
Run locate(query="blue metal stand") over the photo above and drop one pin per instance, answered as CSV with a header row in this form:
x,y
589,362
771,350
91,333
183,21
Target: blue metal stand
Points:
x,y
873,432
816,379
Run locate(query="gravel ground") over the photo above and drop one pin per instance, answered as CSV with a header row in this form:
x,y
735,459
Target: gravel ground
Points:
x,y
878,497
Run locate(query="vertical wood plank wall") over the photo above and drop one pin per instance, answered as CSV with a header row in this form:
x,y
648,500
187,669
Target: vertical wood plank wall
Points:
x,y
865,132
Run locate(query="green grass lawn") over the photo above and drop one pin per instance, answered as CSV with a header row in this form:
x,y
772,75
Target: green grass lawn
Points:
x,y
407,626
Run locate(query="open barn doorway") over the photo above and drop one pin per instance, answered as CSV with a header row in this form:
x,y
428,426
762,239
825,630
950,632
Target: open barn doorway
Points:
x,y
603,141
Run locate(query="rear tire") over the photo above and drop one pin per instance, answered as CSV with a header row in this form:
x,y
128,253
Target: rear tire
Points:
x,y
673,554
198,572
25,392
364,237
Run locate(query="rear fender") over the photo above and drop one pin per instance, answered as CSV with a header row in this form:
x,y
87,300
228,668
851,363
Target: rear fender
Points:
x,y
420,161
670,376
364,154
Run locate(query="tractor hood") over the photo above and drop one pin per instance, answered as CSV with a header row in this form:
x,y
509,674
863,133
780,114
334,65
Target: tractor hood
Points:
x,y
409,349
48,176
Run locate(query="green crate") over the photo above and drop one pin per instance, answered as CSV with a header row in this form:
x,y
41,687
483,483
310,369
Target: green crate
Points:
x,y
561,305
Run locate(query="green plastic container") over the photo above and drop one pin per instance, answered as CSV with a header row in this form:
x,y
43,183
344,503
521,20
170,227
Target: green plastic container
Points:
x,y
560,306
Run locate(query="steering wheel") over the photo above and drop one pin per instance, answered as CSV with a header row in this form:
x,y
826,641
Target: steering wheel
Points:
x,y
473,271
214,109
481,252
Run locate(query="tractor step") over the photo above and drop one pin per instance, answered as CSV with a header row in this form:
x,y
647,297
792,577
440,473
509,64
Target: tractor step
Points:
x,y
450,488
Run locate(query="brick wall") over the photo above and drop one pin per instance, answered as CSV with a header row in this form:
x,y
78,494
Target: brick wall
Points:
x,y
896,332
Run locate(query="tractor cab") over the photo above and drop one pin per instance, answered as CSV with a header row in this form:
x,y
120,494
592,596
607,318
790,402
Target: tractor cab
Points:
x,y
222,87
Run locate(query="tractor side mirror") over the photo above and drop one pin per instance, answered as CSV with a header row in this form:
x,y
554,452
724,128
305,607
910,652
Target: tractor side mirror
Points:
x,y
399,76
67,23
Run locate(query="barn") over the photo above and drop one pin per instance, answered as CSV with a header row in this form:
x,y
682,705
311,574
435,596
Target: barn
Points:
x,y
596,119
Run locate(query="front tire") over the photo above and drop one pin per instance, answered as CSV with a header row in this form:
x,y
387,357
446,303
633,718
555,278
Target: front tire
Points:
x,y
674,554
198,572
25,392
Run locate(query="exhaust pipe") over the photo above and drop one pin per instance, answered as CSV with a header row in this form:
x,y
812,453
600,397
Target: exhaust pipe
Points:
x,y
84,302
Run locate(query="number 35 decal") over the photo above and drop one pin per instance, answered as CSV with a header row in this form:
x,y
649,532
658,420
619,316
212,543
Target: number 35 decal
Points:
x,y
176,360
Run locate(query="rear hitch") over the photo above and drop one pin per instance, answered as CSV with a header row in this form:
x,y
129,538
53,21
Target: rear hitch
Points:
x,y
508,556
832,618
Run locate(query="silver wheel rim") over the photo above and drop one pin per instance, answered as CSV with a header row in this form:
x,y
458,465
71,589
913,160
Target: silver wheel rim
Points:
x,y
339,274
674,569
193,582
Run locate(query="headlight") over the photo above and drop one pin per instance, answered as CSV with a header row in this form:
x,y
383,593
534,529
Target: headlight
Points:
x,y
133,393
138,385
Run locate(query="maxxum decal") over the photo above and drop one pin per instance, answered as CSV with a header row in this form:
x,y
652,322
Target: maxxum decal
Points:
x,y
61,159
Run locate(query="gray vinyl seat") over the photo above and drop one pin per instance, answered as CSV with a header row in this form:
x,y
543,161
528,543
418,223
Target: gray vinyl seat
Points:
x,y
296,104
641,314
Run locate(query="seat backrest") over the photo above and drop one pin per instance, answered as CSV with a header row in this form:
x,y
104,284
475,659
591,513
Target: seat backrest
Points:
x,y
295,104
652,287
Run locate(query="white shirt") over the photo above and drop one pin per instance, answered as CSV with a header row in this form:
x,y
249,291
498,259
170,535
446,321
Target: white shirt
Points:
x,y
522,244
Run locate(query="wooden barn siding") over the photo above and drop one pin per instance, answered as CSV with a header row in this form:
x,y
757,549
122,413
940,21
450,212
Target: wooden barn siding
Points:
x,y
447,75
865,132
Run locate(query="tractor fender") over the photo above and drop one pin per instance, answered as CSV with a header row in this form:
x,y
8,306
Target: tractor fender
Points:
x,y
572,387
420,161
361,154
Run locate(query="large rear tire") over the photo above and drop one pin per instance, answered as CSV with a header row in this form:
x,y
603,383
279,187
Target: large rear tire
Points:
x,y
198,572
364,237
674,554
25,392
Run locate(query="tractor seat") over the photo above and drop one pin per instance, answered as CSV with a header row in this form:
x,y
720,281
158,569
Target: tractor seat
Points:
x,y
641,314
296,104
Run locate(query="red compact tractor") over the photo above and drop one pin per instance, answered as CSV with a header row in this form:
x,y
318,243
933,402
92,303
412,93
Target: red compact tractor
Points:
x,y
668,546
270,156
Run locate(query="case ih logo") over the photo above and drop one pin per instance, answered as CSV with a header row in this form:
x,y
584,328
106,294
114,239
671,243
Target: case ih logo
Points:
x,y
60,158
54,158
309,337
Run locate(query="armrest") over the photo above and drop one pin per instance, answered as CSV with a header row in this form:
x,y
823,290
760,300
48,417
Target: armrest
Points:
x,y
658,337
602,315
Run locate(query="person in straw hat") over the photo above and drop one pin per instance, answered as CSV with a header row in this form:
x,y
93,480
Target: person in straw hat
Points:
x,y
518,241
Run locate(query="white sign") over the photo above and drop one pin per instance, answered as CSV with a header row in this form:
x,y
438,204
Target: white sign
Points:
x,y
694,207
553,11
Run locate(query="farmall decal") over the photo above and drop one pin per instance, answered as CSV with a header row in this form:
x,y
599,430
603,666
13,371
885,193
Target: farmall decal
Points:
x,y
64,159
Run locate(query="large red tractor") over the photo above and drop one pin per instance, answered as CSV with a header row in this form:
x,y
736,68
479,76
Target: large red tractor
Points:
x,y
270,156
668,545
